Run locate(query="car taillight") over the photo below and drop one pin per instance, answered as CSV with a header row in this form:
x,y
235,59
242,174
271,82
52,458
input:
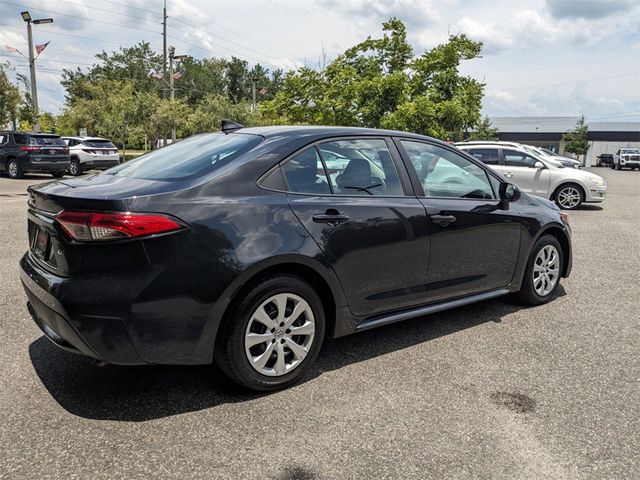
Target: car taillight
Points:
x,y
65,149
29,148
95,226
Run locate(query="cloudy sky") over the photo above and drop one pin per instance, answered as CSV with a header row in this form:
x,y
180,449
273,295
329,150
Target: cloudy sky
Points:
x,y
540,57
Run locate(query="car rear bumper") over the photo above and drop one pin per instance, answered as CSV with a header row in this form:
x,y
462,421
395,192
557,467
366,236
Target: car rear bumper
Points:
x,y
98,162
46,165
124,318
98,336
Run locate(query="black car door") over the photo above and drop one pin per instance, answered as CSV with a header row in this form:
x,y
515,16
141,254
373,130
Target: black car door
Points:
x,y
354,206
474,242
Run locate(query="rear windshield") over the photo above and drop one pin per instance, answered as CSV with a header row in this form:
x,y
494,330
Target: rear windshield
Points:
x,y
98,144
47,140
195,156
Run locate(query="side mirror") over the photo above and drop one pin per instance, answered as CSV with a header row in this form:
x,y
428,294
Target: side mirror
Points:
x,y
509,192
538,165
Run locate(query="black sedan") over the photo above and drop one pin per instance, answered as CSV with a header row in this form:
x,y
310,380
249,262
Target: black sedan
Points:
x,y
250,246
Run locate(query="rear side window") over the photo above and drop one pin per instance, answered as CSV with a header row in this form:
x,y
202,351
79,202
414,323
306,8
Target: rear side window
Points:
x,y
513,158
361,167
99,144
47,140
3,139
305,173
488,156
190,158
20,138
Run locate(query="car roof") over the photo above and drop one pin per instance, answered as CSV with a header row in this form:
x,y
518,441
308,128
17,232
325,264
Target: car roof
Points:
x,y
487,142
85,138
327,131
41,134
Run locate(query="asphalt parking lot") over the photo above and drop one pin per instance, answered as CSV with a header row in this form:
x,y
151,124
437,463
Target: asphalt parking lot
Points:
x,y
491,391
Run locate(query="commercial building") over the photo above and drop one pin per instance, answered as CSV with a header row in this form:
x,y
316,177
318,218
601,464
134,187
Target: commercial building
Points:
x,y
604,137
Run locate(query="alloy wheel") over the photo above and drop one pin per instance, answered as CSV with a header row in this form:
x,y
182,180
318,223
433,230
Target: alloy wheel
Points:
x,y
279,334
546,270
13,169
569,197
74,168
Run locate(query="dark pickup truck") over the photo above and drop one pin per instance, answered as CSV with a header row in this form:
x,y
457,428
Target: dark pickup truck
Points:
x,y
604,160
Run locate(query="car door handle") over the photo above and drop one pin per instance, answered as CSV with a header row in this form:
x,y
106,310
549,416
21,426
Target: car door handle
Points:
x,y
443,220
332,217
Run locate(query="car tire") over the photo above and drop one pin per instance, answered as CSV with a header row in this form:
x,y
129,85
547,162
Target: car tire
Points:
x,y
569,196
14,169
618,167
263,357
75,168
57,174
535,288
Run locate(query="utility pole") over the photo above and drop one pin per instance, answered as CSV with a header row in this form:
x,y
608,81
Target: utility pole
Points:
x,y
172,90
164,57
254,105
34,89
164,46
32,66
172,52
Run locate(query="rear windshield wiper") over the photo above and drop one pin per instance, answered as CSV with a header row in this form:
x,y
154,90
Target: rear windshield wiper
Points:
x,y
364,189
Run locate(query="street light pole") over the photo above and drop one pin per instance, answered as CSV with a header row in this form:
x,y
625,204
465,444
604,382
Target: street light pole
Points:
x,y
32,67
172,56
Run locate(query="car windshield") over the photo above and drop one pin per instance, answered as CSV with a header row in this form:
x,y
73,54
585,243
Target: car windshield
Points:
x,y
631,151
47,140
95,143
190,158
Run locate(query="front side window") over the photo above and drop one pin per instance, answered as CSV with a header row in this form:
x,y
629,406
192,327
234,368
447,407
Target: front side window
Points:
x,y
305,173
488,156
361,167
444,173
20,139
514,158
190,158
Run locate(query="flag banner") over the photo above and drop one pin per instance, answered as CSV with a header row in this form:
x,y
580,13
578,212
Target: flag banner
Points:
x,y
40,48
262,91
11,49
177,75
155,74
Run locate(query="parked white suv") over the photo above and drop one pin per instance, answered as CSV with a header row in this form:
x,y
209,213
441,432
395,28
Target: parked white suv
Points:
x,y
91,153
534,174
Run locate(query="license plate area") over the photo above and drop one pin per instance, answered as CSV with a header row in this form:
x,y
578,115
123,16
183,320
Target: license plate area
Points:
x,y
41,244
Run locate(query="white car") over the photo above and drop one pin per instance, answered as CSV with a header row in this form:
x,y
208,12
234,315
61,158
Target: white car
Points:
x,y
566,161
537,175
91,153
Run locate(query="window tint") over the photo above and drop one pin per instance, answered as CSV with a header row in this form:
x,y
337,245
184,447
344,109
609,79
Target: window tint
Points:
x,y
361,167
98,144
190,158
488,156
513,158
444,173
46,140
305,173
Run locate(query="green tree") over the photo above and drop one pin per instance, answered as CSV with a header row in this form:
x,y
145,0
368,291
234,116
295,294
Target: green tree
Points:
x,y
576,140
378,83
130,64
484,131
9,99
